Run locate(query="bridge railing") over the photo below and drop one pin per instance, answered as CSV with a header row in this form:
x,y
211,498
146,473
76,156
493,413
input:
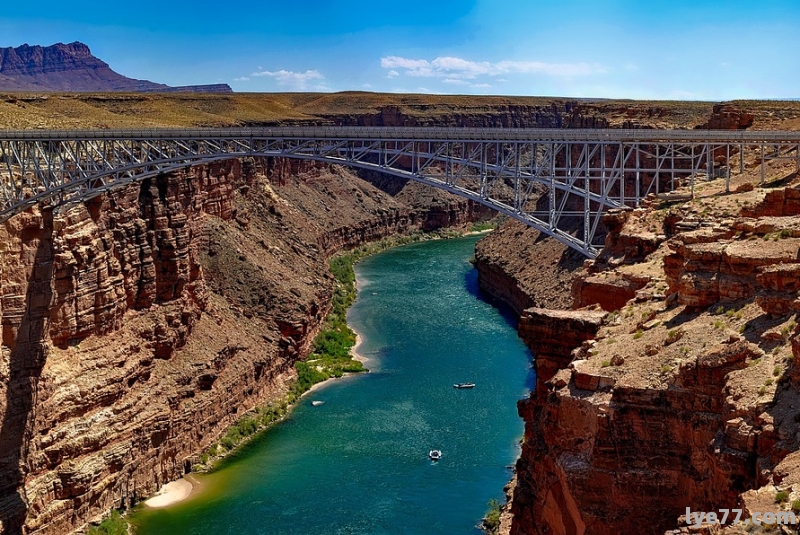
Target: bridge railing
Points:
x,y
417,133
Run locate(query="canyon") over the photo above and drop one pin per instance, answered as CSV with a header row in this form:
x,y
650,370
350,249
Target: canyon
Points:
x,y
139,325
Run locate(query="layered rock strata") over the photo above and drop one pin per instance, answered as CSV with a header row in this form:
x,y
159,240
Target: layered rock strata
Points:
x,y
685,396
523,269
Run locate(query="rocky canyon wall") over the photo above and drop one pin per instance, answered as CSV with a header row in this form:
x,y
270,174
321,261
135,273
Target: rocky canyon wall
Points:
x,y
137,326
685,395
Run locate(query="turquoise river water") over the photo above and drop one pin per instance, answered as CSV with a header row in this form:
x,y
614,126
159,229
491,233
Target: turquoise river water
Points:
x,y
358,464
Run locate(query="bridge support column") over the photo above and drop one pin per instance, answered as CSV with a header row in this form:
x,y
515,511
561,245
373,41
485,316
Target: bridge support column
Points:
x,y
741,159
638,175
691,177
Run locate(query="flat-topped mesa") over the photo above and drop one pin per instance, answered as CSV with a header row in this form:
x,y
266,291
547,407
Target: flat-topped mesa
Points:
x,y
72,67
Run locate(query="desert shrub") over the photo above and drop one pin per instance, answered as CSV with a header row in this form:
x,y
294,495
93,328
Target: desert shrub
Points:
x,y
114,524
491,522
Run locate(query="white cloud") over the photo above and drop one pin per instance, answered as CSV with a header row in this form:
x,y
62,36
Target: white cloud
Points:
x,y
241,79
366,86
453,68
393,74
293,80
392,62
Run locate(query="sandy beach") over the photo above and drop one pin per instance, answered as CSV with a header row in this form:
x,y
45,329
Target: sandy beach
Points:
x,y
359,283
356,355
173,492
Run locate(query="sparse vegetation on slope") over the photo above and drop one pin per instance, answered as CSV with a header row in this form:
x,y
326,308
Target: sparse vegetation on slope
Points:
x,y
135,110
113,524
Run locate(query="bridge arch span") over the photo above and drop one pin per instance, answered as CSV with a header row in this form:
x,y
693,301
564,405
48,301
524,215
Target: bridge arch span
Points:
x,y
557,181
90,186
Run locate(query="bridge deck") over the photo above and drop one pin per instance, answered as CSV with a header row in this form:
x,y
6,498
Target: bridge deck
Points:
x,y
559,181
420,134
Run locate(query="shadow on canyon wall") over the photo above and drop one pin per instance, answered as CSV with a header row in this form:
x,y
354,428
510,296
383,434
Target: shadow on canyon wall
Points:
x,y
27,358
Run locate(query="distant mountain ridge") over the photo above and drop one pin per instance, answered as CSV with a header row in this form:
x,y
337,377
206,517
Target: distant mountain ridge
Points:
x,y
72,67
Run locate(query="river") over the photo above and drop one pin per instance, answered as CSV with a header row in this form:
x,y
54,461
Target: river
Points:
x,y
358,463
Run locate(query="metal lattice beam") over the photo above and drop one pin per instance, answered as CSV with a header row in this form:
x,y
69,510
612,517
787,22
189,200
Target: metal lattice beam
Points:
x,y
558,181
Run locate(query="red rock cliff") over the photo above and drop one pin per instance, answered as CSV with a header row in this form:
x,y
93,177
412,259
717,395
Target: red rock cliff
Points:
x,y
686,395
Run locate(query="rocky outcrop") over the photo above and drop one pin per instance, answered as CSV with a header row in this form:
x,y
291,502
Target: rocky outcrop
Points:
x,y
598,452
611,291
781,202
554,334
72,67
606,286
704,273
728,117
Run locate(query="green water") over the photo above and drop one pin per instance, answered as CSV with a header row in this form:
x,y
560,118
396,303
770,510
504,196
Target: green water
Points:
x,y
358,463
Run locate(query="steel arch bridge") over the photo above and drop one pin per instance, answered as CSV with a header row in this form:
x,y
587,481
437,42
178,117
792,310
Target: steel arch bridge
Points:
x,y
558,181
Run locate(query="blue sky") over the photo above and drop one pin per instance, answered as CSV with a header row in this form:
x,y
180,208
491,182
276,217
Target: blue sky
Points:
x,y
681,49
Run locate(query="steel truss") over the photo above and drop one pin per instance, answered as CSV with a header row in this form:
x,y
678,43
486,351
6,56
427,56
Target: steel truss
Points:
x,y
558,181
